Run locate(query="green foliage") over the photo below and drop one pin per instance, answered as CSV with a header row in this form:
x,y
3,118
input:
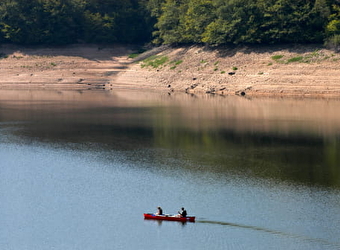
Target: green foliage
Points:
x,y
71,21
333,42
214,22
154,61
198,15
315,56
295,59
244,21
133,55
277,57
177,62
332,29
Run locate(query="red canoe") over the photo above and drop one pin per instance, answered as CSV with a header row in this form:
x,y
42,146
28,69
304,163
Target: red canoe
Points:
x,y
169,217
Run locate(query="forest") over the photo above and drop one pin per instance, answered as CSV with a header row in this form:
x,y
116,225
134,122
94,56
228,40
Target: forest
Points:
x,y
212,22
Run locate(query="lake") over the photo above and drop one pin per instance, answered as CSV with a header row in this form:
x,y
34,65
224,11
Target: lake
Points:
x,y
79,168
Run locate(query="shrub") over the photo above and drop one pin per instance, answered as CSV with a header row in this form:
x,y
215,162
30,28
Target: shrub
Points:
x,y
133,55
178,62
277,57
295,59
333,42
154,61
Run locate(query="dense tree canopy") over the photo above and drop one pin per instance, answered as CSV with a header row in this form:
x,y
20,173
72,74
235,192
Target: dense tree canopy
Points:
x,y
246,21
169,21
70,21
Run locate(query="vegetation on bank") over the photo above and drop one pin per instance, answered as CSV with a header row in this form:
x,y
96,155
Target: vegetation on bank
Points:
x,y
213,22
246,21
74,21
213,68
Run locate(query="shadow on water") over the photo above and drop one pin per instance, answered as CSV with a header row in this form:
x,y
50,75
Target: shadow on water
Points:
x,y
273,232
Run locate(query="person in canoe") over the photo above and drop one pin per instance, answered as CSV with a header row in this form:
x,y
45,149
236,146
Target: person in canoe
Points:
x,y
159,211
182,213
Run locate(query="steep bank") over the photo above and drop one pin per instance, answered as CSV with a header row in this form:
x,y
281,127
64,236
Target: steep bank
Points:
x,y
294,70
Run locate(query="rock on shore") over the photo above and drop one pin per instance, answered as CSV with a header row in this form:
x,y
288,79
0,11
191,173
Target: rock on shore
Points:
x,y
290,70
295,70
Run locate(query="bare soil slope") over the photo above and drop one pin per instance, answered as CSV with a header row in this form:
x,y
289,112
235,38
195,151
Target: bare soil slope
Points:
x,y
294,70
71,67
271,70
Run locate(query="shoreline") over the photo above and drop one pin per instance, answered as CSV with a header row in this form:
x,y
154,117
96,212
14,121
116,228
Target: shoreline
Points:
x,y
76,66
274,71
296,71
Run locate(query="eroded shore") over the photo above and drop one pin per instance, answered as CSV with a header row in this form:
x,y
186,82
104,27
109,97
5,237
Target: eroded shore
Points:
x,y
291,70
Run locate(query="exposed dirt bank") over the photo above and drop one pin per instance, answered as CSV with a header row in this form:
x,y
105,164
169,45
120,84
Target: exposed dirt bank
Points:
x,y
294,70
69,67
271,71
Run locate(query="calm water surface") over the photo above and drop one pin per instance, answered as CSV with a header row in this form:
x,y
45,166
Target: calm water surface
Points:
x,y
79,169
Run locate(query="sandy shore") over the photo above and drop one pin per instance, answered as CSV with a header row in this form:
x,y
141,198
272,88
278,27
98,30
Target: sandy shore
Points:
x,y
70,67
308,71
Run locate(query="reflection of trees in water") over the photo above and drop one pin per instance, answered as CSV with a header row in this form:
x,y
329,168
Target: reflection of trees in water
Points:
x,y
197,141
297,158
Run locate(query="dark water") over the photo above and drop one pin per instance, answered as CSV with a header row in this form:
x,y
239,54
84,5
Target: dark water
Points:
x,y
79,169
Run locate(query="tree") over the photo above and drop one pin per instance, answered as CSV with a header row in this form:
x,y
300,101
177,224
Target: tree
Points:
x,y
290,21
199,14
19,20
68,21
333,27
60,21
237,22
169,26
170,21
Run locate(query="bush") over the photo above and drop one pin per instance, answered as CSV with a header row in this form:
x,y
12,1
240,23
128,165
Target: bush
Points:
x,y
277,57
295,59
333,42
133,55
155,61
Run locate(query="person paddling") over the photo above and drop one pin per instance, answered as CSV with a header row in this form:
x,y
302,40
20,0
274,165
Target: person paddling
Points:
x,y
159,211
182,213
